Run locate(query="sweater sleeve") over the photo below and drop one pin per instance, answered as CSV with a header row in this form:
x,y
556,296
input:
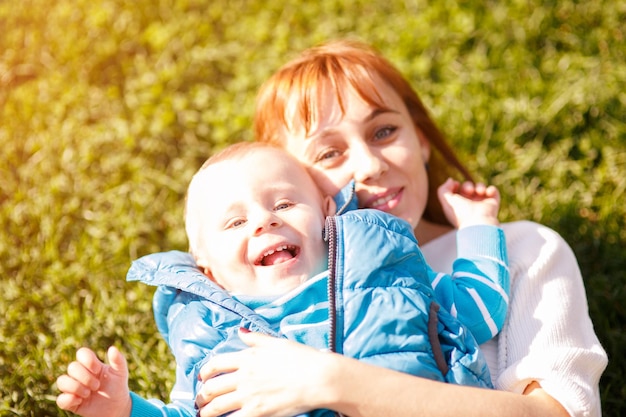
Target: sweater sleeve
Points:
x,y
549,336
477,292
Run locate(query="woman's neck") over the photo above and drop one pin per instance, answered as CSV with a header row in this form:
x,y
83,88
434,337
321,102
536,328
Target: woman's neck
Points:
x,y
427,231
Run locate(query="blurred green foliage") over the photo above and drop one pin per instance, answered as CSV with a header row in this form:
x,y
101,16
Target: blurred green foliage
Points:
x,y
107,108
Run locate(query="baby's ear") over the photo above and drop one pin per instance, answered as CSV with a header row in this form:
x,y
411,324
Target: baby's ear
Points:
x,y
330,207
208,273
205,269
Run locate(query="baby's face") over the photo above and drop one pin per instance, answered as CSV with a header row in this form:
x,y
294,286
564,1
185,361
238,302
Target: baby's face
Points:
x,y
261,224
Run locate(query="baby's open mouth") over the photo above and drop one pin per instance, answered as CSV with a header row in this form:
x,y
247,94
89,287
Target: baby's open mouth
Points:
x,y
277,255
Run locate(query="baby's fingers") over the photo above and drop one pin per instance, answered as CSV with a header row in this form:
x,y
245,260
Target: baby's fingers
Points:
x,y
72,387
449,186
470,189
69,402
492,192
86,369
89,360
80,373
478,190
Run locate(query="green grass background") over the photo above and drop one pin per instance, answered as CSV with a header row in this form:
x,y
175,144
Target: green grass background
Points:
x,y
107,107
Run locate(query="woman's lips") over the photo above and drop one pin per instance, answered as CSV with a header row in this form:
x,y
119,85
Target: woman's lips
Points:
x,y
385,202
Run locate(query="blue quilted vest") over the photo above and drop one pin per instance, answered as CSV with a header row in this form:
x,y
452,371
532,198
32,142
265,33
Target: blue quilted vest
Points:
x,y
382,309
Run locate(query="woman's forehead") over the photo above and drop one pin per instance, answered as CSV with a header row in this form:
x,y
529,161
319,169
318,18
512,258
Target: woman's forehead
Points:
x,y
330,98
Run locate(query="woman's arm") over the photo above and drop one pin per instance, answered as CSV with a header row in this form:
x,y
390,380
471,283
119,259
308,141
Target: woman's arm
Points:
x,y
548,338
277,377
382,392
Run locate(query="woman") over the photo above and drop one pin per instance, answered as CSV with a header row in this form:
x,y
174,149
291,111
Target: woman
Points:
x,y
347,113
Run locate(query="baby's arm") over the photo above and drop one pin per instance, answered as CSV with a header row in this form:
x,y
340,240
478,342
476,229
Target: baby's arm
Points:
x,y
93,389
469,204
477,291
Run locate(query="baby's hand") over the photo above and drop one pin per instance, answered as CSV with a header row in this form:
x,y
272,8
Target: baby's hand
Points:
x,y
93,389
469,204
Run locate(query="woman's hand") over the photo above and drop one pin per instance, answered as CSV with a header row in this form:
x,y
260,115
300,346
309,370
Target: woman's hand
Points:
x,y
274,377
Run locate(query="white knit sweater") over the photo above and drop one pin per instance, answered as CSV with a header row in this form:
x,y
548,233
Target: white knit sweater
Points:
x,y
548,336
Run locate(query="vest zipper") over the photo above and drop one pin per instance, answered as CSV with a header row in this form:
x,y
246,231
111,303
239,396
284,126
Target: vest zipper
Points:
x,y
330,235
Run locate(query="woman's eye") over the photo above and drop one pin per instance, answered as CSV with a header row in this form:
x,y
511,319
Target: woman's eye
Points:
x,y
327,155
384,132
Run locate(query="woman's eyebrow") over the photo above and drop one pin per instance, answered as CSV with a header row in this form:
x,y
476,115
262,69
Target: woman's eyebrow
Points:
x,y
327,132
377,112
321,134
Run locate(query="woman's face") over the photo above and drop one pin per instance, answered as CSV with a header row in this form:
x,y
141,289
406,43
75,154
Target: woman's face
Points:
x,y
380,148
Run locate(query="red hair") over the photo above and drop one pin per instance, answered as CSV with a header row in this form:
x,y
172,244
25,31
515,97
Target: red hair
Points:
x,y
338,66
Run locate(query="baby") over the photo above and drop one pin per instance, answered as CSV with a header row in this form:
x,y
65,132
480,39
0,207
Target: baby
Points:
x,y
269,253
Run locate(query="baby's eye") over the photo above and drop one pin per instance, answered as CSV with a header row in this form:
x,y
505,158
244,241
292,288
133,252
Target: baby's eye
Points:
x,y
283,205
234,223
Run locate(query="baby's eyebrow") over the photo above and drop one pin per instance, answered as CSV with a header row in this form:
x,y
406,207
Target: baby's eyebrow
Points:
x,y
228,212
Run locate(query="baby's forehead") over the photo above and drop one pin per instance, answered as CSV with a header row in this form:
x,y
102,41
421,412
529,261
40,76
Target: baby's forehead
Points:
x,y
259,168
267,162
265,154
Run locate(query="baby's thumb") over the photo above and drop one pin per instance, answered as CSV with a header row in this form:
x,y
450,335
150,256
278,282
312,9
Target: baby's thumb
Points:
x,y
117,361
447,188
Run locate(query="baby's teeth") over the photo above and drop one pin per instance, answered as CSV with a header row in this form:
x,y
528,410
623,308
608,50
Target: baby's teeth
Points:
x,y
271,251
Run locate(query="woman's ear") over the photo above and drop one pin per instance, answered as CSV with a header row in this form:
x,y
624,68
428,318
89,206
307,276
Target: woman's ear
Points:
x,y
424,145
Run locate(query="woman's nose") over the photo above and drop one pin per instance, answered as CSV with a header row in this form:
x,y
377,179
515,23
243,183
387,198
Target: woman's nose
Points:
x,y
265,222
368,165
